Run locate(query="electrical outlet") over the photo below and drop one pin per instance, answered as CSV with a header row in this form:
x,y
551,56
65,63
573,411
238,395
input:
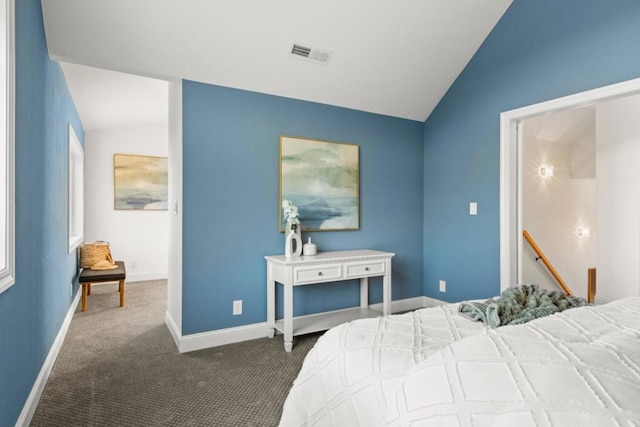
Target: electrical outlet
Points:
x,y
443,286
134,264
237,307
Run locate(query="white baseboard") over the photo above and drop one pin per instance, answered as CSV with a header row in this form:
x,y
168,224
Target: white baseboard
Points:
x,y
192,342
432,302
36,391
406,304
141,277
202,340
223,336
173,328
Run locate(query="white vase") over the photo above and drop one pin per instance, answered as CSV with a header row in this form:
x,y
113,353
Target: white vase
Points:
x,y
309,249
293,243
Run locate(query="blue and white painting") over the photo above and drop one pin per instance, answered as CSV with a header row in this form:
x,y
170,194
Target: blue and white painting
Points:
x,y
322,179
140,182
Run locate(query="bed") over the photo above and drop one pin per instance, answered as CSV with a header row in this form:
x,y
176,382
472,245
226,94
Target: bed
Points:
x,y
434,367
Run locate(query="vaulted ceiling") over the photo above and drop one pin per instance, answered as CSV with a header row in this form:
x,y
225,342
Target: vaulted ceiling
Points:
x,y
396,58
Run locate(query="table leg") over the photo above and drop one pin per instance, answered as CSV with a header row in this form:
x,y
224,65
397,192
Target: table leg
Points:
x,y
364,292
288,317
121,289
386,290
271,307
84,296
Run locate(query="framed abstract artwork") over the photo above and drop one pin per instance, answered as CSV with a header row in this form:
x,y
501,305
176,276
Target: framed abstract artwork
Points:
x,y
140,182
322,179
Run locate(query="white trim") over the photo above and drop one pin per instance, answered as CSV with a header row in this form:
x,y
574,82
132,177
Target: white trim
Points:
x,y
36,391
142,277
509,222
202,340
7,274
403,304
518,162
432,302
173,328
174,268
75,195
222,336
505,202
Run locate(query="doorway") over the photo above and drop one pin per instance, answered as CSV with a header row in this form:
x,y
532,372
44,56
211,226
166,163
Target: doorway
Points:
x,y
125,116
512,173
559,199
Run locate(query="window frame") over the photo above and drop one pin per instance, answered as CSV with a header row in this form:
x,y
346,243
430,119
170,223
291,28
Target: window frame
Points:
x,y
76,191
7,147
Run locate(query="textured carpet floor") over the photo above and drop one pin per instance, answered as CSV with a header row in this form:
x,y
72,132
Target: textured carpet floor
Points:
x,y
120,367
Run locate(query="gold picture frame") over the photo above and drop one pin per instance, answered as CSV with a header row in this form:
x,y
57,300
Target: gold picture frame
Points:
x,y
322,179
140,182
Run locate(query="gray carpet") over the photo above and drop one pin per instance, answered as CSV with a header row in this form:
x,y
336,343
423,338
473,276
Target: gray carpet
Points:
x,y
120,367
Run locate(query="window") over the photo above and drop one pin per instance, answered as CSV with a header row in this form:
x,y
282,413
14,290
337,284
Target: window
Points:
x,y
7,259
76,191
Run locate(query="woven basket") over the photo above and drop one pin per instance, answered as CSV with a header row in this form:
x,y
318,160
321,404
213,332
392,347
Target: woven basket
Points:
x,y
92,253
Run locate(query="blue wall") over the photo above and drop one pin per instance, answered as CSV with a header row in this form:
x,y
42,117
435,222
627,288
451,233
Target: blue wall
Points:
x,y
33,309
230,148
540,50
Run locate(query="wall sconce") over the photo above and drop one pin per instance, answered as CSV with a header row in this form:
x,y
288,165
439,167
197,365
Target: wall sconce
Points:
x,y
546,170
583,232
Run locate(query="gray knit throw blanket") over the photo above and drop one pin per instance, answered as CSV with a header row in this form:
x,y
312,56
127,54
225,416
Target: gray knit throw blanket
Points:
x,y
519,305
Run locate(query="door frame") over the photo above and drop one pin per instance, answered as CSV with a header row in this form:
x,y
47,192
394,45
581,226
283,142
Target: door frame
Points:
x,y
511,169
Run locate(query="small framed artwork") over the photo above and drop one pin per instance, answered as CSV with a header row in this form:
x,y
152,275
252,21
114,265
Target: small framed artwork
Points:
x,y
322,179
140,182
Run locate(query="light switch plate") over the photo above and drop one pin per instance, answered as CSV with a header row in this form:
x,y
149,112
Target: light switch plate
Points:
x,y
237,307
473,208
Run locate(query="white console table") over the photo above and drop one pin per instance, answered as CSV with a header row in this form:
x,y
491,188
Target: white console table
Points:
x,y
322,268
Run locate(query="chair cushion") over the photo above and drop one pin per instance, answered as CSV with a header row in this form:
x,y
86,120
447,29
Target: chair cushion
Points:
x,y
92,276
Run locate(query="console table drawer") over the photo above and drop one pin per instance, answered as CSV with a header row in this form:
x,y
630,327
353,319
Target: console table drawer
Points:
x,y
360,269
323,273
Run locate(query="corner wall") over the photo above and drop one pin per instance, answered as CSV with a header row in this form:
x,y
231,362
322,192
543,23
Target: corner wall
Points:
x,y
140,238
538,51
618,207
33,309
230,213
174,284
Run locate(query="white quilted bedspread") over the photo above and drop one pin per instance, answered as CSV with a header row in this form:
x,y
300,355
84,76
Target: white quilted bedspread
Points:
x,y
432,367
350,376
577,368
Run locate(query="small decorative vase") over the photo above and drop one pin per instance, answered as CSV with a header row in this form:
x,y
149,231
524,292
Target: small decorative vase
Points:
x,y
309,249
293,242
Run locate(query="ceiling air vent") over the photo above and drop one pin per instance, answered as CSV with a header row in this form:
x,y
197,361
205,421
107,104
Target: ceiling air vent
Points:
x,y
319,56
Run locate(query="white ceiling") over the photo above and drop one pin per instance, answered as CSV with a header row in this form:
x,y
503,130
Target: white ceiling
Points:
x,y
109,99
396,58
563,126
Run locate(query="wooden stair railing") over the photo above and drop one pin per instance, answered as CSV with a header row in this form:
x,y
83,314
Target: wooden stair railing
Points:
x,y
591,286
546,262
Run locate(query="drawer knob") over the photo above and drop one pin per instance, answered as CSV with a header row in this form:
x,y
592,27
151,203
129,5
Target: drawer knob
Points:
x,y
366,269
319,273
